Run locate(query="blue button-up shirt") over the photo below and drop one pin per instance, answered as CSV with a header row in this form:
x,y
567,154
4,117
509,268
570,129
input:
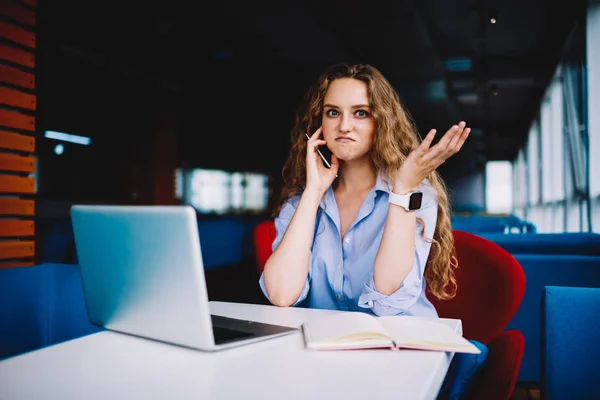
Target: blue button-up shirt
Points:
x,y
340,274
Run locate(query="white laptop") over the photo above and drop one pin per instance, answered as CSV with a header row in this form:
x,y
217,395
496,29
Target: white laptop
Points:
x,y
143,275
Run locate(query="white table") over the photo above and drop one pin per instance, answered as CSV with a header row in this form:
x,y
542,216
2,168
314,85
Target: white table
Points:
x,y
110,365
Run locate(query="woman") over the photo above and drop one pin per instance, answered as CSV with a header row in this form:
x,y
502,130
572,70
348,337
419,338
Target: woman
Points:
x,y
372,232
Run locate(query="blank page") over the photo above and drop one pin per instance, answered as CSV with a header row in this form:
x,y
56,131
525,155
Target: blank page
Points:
x,y
335,326
425,333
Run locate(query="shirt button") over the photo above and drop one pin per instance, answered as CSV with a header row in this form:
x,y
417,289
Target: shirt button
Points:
x,y
339,296
347,240
339,266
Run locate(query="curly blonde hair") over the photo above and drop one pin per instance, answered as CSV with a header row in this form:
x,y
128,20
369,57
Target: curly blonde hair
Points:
x,y
396,137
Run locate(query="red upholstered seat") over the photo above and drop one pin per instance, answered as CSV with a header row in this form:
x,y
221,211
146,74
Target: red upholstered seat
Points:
x,y
491,285
263,237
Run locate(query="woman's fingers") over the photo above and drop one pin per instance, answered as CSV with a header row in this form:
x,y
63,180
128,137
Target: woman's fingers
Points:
x,y
463,138
316,134
450,135
424,146
458,141
449,145
314,145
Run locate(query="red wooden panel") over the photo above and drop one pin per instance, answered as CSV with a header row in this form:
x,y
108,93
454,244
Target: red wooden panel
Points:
x,y
16,184
17,120
17,77
13,206
13,162
16,264
16,249
16,12
17,34
17,98
17,56
16,227
16,141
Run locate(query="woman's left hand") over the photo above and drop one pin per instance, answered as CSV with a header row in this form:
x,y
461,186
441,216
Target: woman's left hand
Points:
x,y
422,161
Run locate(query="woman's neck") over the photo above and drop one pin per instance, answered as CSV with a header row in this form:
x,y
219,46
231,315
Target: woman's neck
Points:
x,y
356,176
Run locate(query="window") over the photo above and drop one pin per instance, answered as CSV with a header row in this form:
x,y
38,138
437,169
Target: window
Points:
x,y
520,181
210,191
552,146
179,184
533,164
222,192
498,186
593,95
557,137
256,192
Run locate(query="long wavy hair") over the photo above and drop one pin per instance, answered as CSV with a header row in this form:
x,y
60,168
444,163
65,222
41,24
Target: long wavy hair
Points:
x,y
396,137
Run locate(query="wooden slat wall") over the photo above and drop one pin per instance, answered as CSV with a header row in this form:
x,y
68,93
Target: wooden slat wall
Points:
x,y
17,132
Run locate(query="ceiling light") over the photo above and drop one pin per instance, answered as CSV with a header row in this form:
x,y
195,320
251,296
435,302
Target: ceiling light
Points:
x,y
65,137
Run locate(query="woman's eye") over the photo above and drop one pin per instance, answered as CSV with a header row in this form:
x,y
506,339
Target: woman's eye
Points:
x,y
332,113
362,113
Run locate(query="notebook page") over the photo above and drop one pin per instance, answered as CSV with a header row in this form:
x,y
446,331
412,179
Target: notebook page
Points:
x,y
333,327
425,333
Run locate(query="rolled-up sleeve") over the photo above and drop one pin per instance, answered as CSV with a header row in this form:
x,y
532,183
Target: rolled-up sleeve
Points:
x,y
401,300
281,223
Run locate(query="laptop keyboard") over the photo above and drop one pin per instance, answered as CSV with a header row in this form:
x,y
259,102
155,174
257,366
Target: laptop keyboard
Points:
x,y
226,335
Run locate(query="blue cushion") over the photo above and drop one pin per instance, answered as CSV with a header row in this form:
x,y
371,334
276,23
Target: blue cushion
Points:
x,y
541,271
583,243
24,295
571,322
462,373
47,306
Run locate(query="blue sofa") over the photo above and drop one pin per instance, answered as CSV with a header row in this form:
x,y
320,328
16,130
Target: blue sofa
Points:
x,y
224,241
42,305
571,343
547,243
543,270
479,224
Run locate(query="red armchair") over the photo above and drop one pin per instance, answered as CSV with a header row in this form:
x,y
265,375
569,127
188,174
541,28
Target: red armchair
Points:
x,y
263,237
491,285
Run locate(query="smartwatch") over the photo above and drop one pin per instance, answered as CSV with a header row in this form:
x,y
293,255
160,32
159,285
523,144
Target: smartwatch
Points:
x,y
409,201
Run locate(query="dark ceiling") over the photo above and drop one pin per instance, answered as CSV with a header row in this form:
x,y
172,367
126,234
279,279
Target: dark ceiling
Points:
x,y
248,63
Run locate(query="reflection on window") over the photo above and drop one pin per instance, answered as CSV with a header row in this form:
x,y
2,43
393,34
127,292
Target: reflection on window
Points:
x,y
178,184
220,192
237,191
498,186
257,192
210,191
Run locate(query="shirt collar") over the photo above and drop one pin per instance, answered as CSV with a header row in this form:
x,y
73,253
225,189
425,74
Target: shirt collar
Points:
x,y
381,185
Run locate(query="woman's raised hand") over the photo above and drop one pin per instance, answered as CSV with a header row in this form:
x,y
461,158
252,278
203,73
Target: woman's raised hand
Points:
x,y
318,176
422,161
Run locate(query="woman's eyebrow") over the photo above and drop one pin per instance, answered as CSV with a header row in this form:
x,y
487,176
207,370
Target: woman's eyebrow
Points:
x,y
356,106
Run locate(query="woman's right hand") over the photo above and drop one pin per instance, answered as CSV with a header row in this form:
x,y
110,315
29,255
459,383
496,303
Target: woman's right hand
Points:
x,y
318,176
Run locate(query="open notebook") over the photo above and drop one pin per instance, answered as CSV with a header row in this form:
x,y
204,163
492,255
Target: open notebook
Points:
x,y
357,330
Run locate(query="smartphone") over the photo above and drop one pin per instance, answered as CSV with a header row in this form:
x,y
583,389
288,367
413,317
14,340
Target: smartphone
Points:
x,y
325,157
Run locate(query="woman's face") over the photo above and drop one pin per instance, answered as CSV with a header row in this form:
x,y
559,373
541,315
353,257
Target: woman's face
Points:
x,y
348,124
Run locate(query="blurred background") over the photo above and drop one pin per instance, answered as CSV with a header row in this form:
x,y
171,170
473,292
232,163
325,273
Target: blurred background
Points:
x,y
180,102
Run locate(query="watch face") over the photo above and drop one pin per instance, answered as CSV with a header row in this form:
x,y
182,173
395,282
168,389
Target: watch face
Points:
x,y
415,201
